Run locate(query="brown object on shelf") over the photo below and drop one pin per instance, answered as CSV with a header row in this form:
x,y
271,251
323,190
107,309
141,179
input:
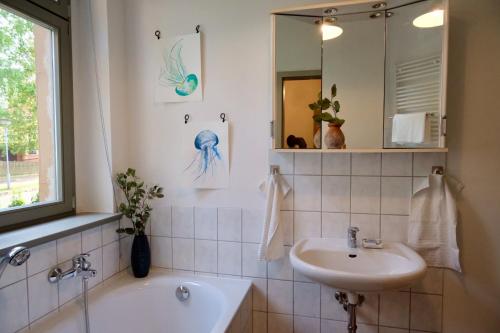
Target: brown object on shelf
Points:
x,y
334,137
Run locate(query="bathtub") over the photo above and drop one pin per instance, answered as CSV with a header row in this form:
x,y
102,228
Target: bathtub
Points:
x,y
124,304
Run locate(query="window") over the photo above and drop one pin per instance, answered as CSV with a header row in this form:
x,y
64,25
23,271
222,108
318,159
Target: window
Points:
x,y
36,113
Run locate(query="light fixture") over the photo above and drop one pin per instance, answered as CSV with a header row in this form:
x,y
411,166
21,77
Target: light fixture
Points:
x,y
329,29
431,19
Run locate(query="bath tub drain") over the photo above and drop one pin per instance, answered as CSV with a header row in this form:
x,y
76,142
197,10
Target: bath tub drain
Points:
x,y
182,293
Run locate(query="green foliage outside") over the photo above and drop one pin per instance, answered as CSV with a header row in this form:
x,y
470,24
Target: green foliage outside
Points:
x,y
17,82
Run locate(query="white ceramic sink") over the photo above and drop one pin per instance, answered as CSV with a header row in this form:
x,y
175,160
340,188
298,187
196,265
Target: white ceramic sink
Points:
x,y
329,261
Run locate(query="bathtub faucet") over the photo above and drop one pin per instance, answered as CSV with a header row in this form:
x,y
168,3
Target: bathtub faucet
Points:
x,y
81,267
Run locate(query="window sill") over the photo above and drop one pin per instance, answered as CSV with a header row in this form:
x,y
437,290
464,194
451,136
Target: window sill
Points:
x,y
42,233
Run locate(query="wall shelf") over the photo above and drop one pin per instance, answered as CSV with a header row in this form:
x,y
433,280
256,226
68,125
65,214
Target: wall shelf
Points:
x,y
368,150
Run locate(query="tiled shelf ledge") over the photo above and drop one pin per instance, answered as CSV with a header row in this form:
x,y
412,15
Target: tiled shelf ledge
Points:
x,y
367,150
42,233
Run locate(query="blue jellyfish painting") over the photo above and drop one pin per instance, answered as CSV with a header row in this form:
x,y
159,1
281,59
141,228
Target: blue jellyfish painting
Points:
x,y
174,73
207,154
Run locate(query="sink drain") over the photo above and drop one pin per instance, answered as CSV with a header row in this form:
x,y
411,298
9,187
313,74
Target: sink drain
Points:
x,y
182,293
353,255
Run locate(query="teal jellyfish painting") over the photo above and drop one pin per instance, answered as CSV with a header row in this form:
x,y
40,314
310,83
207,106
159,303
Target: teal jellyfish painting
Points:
x,y
174,73
206,159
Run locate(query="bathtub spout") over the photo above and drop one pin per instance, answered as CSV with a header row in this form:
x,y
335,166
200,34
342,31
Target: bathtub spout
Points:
x,y
81,267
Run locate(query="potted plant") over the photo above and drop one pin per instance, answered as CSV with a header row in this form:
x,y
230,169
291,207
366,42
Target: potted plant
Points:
x,y
334,137
138,209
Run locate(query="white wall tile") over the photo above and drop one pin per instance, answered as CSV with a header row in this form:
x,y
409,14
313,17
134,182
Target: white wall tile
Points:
x,y
396,194
229,258
365,195
110,259
336,164
251,266
307,164
287,203
333,326
161,221
369,225
109,233
95,259
71,288
307,193
182,222
259,294
432,283
205,256
282,268
368,312
252,224
280,296
394,228
397,164
395,309
161,251
14,316
306,299
334,225
280,323
205,223
383,329
426,312
12,274
229,224
366,164
330,307
287,223
306,224
126,251
183,253
259,322
42,257
91,239
68,247
423,162
42,295
306,325
363,328
336,194
283,160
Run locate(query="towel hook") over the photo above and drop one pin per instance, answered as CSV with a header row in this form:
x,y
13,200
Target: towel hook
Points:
x,y
437,170
186,118
197,28
157,34
274,169
223,116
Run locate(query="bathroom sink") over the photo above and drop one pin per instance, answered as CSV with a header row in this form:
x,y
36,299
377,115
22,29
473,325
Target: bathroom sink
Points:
x,y
331,262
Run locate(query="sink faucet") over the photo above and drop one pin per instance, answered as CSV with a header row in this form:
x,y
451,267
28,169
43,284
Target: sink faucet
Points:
x,y
81,267
351,237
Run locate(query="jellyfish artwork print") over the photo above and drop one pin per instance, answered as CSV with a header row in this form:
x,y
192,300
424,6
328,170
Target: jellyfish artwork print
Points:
x,y
206,162
179,79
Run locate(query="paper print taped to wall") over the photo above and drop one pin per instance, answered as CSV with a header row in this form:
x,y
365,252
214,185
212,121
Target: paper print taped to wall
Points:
x,y
180,72
206,161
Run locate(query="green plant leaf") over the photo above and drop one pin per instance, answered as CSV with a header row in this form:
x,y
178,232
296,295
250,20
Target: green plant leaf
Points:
x,y
334,90
314,106
336,106
338,122
325,104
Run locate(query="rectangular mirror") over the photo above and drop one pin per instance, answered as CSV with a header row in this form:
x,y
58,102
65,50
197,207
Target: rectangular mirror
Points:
x,y
362,76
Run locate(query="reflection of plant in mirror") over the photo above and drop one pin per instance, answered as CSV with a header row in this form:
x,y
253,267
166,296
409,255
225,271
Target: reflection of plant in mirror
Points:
x,y
324,104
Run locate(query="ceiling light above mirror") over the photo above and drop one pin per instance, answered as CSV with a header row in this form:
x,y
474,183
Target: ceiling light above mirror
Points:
x,y
431,19
329,29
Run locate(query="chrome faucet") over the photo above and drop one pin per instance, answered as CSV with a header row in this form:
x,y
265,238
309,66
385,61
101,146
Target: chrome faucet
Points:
x,y
15,257
81,267
352,241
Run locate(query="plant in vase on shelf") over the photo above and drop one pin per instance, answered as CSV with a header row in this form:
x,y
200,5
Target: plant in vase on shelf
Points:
x,y
138,209
334,138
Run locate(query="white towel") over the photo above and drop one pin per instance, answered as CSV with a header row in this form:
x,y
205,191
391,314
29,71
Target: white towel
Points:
x,y
433,222
411,128
271,246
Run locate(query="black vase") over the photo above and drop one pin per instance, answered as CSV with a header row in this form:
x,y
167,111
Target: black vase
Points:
x,y
141,256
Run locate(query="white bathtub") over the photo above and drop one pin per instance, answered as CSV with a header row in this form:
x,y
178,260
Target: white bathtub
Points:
x,y
124,304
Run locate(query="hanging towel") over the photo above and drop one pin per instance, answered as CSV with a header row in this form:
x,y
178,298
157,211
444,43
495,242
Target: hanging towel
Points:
x,y
271,246
432,225
411,128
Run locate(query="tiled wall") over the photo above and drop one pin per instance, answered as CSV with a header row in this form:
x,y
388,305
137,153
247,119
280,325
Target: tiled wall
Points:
x,y
25,293
330,192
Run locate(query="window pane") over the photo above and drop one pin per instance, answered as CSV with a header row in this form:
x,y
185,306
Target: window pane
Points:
x,y
29,104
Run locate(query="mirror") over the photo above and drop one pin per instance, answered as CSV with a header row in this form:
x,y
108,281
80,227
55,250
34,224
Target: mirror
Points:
x,y
359,78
